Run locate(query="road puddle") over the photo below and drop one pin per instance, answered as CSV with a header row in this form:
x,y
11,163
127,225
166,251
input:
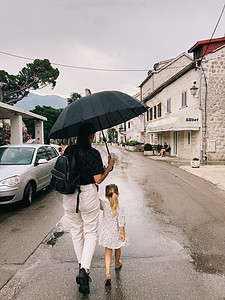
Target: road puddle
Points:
x,y
209,263
54,238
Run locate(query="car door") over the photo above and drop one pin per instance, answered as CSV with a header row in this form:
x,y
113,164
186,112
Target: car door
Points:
x,y
43,170
52,156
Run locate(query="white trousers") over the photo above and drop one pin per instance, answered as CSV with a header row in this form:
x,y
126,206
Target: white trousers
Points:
x,y
84,224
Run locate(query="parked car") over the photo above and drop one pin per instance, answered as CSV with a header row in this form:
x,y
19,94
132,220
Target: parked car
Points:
x,y
24,170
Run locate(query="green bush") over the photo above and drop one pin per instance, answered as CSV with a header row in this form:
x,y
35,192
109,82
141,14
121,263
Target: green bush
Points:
x,y
147,147
131,143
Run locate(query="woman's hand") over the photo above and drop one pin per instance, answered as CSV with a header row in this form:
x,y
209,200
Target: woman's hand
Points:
x,y
111,161
100,177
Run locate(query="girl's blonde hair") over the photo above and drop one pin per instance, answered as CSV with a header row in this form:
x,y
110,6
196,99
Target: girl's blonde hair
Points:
x,y
111,191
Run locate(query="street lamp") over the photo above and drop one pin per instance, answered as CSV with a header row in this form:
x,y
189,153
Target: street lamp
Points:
x,y
194,89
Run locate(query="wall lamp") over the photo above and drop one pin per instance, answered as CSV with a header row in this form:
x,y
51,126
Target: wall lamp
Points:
x,y
194,89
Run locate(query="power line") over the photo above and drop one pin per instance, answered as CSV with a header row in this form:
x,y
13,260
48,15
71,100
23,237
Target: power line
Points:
x,y
78,67
87,68
214,31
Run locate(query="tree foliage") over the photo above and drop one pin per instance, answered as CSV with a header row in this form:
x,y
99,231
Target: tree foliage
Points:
x,y
73,97
112,135
36,75
47,111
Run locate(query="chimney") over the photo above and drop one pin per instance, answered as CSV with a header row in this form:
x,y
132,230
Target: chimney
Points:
x,y
87,92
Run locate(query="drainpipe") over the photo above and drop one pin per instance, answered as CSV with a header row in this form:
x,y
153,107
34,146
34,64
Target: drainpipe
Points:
x,y
144,113
201,119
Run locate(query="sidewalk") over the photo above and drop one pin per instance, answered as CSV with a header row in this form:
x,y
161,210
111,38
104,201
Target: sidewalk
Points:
x,y
212,173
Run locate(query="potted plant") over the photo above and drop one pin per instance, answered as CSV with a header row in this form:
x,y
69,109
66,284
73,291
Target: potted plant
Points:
x,y
148,149
132,145
195,162
127,145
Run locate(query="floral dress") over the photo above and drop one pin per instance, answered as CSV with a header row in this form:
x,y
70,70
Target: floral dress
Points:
x,y
109,235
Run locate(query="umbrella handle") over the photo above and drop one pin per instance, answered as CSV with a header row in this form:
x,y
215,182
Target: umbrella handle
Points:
x,y
104,139
107,148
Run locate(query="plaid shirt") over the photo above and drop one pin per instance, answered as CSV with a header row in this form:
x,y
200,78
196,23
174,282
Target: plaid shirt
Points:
x,y
89,165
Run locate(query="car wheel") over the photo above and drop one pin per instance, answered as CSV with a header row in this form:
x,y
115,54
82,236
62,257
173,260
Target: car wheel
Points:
x,y
28,194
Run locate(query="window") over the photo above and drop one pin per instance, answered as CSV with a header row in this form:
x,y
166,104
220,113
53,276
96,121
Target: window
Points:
x,y
152,139
160,138
187,139
147,115
150,114
155,115
128,124
159,110
41,154
51,152
184,99
168,106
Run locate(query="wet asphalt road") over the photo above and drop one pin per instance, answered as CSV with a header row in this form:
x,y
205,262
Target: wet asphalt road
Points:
x,y
176,228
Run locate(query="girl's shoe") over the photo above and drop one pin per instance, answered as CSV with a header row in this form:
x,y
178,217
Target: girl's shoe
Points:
x,y
107,279
118,266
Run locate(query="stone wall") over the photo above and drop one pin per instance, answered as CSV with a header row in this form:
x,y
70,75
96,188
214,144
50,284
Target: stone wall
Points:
x,y
214,69
189,152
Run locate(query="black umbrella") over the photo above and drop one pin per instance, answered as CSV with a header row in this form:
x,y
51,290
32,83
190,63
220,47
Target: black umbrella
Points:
x,y
104,110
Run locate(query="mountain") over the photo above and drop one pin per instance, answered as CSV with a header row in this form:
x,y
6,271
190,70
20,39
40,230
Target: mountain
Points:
x,y
33,100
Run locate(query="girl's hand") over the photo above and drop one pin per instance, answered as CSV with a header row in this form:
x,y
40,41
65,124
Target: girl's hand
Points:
x,y
122,238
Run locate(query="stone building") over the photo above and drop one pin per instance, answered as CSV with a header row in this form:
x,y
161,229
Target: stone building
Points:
x,y
212,70
185,99
132,130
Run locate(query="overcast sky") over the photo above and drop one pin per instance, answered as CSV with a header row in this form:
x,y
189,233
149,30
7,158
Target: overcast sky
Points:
x,y
105,34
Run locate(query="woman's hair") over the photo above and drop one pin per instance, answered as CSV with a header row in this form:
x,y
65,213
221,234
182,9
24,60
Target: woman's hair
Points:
x,y
111,191
83,143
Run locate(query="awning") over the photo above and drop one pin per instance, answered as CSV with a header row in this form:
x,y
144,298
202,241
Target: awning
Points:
x,y
187,120
7,111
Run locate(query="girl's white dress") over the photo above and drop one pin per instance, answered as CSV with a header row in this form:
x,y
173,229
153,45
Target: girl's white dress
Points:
x,y
109,234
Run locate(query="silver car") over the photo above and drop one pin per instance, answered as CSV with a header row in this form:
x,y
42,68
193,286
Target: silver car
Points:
x,y
24,170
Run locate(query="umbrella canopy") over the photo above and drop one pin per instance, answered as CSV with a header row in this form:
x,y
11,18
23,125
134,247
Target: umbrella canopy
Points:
x,y
104,110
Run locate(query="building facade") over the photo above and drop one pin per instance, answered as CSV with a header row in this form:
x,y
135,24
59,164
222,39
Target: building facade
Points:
x,y
133,129
185,99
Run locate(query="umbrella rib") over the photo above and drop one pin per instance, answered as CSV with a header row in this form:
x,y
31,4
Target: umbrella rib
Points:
x,y
106,116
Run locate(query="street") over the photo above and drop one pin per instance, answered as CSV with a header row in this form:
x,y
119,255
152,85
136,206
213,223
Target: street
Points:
x,y
176,228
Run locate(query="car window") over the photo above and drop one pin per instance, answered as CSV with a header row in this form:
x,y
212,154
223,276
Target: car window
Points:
x,y
52,153
41,154
16,156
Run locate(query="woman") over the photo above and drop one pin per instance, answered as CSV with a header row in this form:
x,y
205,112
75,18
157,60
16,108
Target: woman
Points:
x,y
84,224
164,149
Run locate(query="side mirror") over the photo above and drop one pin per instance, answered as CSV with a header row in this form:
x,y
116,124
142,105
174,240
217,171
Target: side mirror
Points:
x,y
42,161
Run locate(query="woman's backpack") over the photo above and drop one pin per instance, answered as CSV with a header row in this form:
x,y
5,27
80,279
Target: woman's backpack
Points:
x,y
65,174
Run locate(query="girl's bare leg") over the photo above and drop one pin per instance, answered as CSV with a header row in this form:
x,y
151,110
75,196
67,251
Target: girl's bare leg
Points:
x,y
117,256
108,256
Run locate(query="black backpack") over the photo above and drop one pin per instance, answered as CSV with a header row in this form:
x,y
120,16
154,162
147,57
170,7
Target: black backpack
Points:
x,y
65,174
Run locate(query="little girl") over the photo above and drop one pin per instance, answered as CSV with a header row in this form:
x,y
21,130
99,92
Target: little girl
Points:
x,y
112,231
